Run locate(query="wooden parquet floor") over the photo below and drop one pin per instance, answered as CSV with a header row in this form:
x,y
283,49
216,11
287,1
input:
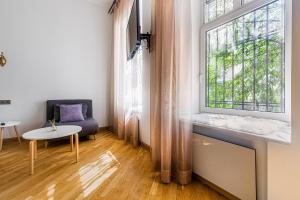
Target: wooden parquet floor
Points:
x,y
108,169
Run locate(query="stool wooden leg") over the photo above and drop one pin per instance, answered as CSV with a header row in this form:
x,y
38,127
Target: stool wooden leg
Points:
x,y
46,144
17,133
77,146
71,142
1,137
31,151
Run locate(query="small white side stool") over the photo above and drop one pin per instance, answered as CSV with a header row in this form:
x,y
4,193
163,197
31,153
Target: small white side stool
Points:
x,y
13,124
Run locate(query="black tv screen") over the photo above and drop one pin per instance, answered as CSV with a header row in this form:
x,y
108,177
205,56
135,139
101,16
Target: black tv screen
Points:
x,y
133,31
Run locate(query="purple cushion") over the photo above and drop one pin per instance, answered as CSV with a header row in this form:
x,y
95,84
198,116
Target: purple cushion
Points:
x,y
56,111
71,113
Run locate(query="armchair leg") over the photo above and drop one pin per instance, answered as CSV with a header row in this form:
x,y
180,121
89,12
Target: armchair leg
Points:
x,y
94,136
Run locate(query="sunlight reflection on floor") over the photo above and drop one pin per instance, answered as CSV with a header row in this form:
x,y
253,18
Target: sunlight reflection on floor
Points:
x,y
93,174
51,190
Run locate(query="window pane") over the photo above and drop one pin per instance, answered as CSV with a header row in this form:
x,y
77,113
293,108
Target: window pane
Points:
x,y
216,8
247,1
245,62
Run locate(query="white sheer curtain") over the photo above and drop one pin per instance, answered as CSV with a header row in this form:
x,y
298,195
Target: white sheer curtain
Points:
x,y
126,79
133,85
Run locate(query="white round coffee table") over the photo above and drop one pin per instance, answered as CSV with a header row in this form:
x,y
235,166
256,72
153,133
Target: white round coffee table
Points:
x,y
9,124
48,134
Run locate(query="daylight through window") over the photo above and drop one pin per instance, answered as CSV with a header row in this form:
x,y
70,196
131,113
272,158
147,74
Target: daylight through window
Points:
x,y
245,61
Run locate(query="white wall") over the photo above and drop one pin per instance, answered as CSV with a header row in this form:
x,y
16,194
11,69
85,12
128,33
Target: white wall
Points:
x,y
284,160
56,49
196,24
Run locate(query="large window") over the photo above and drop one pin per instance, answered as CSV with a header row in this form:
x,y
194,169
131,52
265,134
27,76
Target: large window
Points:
x,y
217,8
245,60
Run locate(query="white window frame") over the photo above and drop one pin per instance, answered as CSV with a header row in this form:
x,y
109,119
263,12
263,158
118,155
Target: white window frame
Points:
x,y
238,12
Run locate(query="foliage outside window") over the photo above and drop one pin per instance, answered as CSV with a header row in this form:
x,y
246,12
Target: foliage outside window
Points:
x,y
245,62
217,8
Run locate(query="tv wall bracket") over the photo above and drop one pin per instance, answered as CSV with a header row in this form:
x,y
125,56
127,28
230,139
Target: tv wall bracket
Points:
x,y
147,37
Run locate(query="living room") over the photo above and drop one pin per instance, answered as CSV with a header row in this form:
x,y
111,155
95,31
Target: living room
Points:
x,y
149,99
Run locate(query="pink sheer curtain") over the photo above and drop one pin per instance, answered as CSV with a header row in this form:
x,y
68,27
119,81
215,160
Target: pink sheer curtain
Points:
x,y
171,82
126,75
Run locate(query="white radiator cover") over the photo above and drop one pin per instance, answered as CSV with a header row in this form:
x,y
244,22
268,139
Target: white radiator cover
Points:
x,y
229,166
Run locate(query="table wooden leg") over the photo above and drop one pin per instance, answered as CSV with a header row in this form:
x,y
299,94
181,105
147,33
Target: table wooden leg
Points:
x,y
17,133
71,142
31,151
35,149
77,146
46,144
1,137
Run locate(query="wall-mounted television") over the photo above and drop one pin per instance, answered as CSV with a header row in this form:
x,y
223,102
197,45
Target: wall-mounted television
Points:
x,y
133,31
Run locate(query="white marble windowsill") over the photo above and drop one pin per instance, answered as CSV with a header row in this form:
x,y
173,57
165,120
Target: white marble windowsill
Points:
x,y
267,129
